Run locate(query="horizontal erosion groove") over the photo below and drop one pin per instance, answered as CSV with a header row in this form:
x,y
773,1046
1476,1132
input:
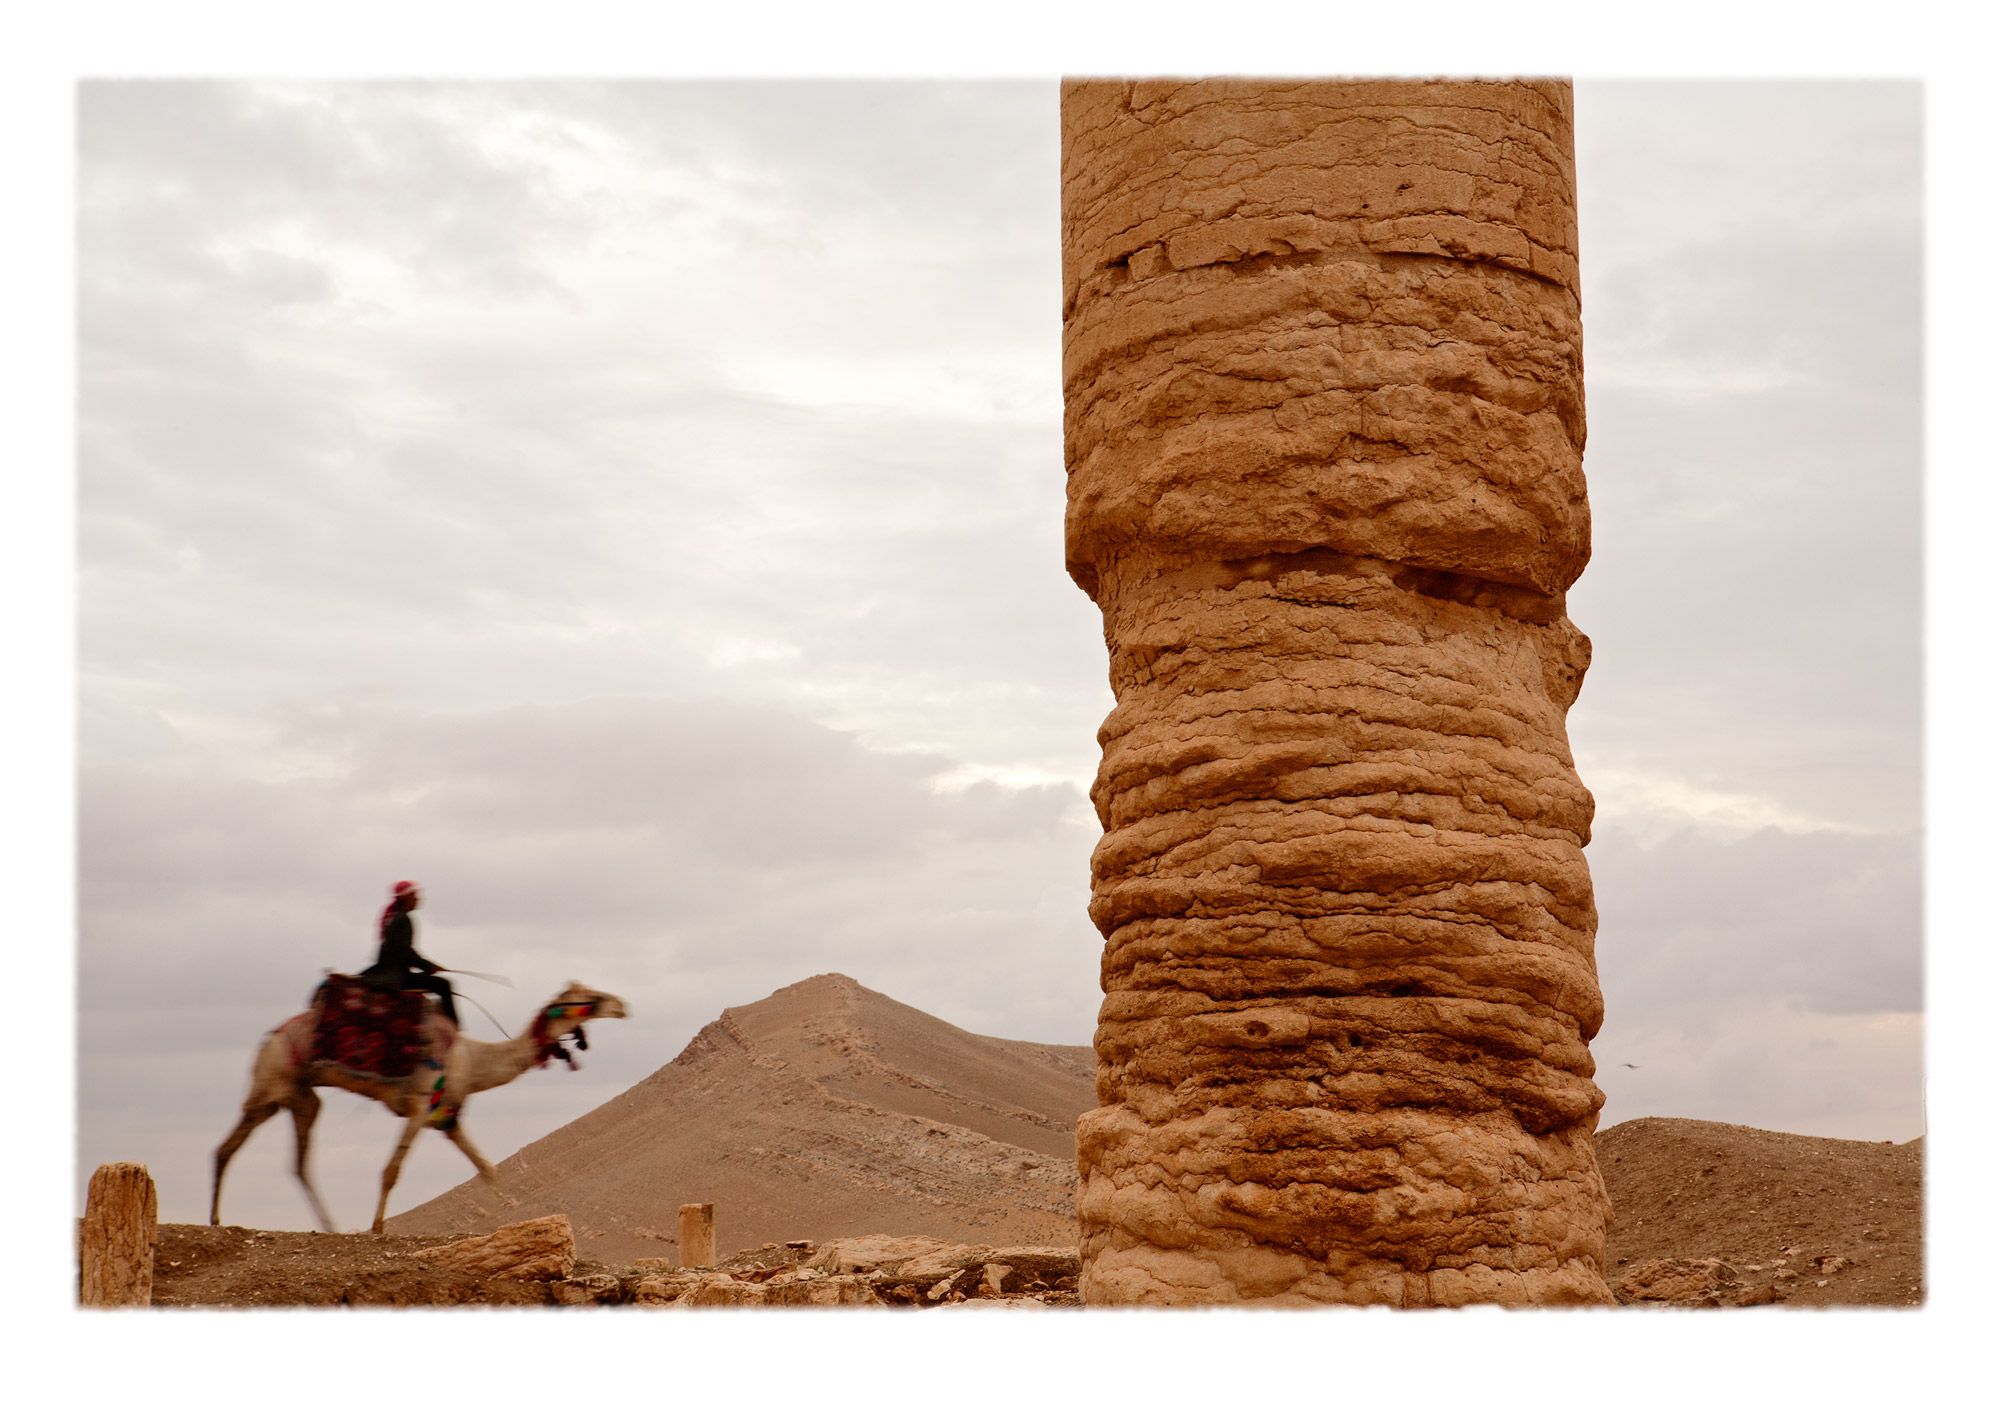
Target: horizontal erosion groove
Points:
x,y
1115,275
1161,978
1514,601
1155,100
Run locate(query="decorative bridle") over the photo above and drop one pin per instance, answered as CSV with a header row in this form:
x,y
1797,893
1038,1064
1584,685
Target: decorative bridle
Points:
x,y
547,1031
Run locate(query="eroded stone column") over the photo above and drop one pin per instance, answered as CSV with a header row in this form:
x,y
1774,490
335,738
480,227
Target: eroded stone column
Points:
x,y
1324,424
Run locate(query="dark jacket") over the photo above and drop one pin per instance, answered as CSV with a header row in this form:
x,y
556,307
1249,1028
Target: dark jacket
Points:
x,y
399,957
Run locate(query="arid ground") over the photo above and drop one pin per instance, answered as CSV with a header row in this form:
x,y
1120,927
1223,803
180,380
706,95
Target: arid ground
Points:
x,y
828,1112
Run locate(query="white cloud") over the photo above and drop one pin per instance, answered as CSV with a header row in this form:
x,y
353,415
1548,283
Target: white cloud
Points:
x,y
1690,377
968,774
735,650
1651,804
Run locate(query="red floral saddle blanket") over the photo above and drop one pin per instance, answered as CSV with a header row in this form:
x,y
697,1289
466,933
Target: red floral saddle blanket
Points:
x,y
369,1029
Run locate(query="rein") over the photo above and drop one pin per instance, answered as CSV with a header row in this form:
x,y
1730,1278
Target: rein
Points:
x,y
489,1016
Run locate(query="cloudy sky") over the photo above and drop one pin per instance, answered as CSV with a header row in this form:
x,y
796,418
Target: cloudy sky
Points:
x,y
635,510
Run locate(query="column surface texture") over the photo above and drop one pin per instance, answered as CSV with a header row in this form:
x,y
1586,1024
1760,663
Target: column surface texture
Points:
x,y
1323,382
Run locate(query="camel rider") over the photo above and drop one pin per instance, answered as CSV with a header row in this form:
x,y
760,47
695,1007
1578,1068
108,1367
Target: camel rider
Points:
x,y
399,965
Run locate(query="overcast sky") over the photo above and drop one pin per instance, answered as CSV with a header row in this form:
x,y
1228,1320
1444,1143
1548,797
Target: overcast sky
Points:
x,y
634,511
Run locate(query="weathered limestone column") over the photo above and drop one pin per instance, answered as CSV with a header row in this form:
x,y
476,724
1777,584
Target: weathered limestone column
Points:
x,y
697,1245
1322,367
121,1233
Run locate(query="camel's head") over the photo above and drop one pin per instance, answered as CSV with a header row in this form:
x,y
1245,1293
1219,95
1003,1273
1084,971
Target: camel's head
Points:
x,y
590,1004
565,1015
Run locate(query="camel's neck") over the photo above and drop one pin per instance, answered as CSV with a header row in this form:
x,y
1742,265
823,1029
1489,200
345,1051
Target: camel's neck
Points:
x,y
497,1063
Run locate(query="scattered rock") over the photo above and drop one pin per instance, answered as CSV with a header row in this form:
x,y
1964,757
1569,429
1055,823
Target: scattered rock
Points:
x,y
598,1289
711,1289
1699,1282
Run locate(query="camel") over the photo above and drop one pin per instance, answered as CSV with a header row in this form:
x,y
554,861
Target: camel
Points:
x,y
280,1076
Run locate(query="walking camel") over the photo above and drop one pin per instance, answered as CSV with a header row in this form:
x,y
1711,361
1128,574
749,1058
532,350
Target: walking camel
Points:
x,y
283,1076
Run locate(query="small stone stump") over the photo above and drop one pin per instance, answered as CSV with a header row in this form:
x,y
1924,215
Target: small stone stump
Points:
x,y
120,1235
697,1235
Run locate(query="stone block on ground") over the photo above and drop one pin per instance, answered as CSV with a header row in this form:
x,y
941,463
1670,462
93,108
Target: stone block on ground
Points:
x,y
541,1249
894,1256
844,1291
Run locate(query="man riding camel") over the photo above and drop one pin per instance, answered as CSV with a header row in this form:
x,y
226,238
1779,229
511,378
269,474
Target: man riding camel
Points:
x,y
399,966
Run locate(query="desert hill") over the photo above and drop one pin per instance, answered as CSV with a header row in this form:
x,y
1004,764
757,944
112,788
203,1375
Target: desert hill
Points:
x,y
824,1110
1710,1214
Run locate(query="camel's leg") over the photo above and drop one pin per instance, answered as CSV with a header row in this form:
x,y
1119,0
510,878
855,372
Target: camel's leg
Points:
x,y
255,1113
471,1152
305,1110
411,1127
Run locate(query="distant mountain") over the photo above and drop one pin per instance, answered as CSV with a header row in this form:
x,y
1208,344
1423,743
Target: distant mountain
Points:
x,y
825,1110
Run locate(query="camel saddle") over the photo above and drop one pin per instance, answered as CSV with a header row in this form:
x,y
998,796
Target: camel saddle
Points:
x,y
376,1031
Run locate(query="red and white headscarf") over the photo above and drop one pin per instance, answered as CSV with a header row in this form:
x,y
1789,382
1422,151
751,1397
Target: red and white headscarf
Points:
x,y
399,893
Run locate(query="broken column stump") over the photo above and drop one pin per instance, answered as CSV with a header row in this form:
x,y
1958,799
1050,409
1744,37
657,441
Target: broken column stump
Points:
x,y
697,1235
120,1235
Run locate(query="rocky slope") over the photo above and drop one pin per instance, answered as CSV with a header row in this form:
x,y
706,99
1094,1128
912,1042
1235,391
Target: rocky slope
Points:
x,y
825,1110
1710,1215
